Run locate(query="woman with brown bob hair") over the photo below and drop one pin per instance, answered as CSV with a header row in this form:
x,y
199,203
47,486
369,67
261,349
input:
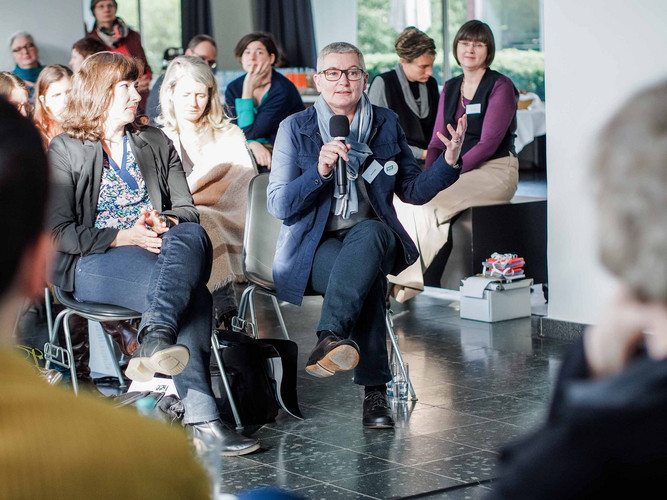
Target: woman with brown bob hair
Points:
x,y
488,162
259,100
127,233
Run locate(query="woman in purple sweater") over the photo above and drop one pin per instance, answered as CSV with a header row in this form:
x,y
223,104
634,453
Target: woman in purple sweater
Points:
x,y
489,167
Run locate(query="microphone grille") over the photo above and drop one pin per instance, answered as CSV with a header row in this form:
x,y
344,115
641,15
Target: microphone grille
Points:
x,y
339,126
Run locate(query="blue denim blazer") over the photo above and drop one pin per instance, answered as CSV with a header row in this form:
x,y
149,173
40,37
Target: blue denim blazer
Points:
x,y
301,198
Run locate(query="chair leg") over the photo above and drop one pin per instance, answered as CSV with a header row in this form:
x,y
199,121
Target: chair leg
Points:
x,y
276,306
68,341
116,366
223,374
49,311
394,342
253,314
52,348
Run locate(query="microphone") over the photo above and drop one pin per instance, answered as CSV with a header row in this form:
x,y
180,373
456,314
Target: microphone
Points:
x,y
339,129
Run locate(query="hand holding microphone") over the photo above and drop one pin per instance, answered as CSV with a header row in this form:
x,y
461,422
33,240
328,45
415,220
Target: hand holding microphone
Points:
x,y
335,151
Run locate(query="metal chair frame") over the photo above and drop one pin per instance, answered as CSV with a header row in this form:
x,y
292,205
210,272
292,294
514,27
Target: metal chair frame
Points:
x,y
266,287
63,356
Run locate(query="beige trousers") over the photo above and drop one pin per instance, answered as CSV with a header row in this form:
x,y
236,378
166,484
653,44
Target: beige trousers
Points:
x,y
494,182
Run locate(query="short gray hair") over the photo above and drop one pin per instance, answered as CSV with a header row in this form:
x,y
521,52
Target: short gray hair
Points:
x,y
630,176
20,34
339,48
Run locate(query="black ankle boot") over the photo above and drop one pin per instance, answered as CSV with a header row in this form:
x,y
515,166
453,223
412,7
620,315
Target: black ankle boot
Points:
x,y
206,435
157,353
377,413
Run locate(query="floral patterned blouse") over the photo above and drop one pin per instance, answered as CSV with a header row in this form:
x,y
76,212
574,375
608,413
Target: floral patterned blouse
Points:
x,y
119,206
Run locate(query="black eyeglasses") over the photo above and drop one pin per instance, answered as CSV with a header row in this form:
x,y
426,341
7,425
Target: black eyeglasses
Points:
x,y
334,74
27,46
211,62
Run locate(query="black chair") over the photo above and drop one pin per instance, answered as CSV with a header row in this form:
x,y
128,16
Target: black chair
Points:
x,y
63,356
259,246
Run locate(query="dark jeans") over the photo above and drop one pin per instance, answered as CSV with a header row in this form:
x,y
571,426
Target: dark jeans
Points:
x,y
350,270
169,290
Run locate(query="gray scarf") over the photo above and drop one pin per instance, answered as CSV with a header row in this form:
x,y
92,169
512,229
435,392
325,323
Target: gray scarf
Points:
x,y
421,109
360,130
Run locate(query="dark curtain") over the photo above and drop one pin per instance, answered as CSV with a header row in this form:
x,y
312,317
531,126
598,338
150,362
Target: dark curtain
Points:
x,y
291,22
196,19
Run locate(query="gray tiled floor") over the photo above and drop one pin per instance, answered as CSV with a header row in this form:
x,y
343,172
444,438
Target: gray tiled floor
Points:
x,y
479,385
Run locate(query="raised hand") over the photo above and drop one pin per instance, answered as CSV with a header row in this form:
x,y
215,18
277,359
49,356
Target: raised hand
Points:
x,y
454,144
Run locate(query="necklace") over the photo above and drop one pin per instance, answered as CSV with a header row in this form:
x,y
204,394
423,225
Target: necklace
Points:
x,y
463,104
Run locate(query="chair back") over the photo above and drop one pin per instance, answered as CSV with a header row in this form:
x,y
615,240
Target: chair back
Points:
x,y
261,235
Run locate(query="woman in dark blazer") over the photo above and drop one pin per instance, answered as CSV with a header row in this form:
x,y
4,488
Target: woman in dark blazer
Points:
x,y
127,233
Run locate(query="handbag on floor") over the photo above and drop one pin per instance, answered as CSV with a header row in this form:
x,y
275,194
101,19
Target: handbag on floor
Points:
x,y
262,376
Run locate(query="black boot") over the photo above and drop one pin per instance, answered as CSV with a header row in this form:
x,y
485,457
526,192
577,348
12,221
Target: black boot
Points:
x,y
124,334
377,413
206,435
157,353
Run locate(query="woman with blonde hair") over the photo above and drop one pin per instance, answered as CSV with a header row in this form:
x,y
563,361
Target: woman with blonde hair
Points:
x,y
51,94
15,91
127,234
218,168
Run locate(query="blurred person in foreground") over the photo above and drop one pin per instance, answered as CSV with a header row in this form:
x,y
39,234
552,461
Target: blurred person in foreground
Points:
x,y
97,448
342,245
605,435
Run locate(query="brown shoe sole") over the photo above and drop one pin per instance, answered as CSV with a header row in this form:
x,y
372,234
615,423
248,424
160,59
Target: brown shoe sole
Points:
x,y
340,359
170,361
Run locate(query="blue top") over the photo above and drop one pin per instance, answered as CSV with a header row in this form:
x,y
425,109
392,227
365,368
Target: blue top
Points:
x,y
282,100
299,196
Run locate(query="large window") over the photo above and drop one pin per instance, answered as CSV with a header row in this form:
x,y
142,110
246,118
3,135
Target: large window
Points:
x,y
380,22
158,22
516,25
517,29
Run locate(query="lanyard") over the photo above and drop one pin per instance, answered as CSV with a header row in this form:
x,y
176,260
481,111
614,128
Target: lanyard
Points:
x,y
122,170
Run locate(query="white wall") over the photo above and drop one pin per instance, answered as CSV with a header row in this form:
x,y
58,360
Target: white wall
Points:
x,y
232,19
597,53
55,25
334,21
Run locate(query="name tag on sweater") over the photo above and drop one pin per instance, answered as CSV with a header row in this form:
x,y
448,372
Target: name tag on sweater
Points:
x,y
473,109
372,171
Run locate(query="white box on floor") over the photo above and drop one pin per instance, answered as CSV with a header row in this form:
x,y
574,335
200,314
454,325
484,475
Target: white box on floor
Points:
x,y
487,299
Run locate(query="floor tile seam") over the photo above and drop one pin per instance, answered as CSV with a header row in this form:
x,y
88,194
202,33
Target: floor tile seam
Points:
x,y
319,481
306,436
332,451
340,488
403,467
508,396
476,450
455,479
350,476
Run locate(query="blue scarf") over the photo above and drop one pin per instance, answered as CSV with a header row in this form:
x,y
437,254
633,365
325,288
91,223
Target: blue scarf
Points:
x,y
30,74
360,131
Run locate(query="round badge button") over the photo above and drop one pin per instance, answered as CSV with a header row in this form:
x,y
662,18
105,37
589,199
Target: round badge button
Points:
x,y
391,168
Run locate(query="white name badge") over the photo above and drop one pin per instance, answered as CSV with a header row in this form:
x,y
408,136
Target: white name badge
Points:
x,y
473,109
391,168
372,171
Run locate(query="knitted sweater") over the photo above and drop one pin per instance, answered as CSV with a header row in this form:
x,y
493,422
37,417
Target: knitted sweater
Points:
x,y
57,446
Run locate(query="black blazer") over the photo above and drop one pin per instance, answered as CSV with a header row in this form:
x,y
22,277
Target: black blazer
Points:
x,y
76,175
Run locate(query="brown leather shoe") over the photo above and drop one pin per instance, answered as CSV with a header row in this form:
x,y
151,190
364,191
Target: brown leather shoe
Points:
x,y
123,334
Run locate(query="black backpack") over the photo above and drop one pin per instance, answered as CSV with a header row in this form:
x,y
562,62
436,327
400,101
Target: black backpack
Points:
x,y
262,376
